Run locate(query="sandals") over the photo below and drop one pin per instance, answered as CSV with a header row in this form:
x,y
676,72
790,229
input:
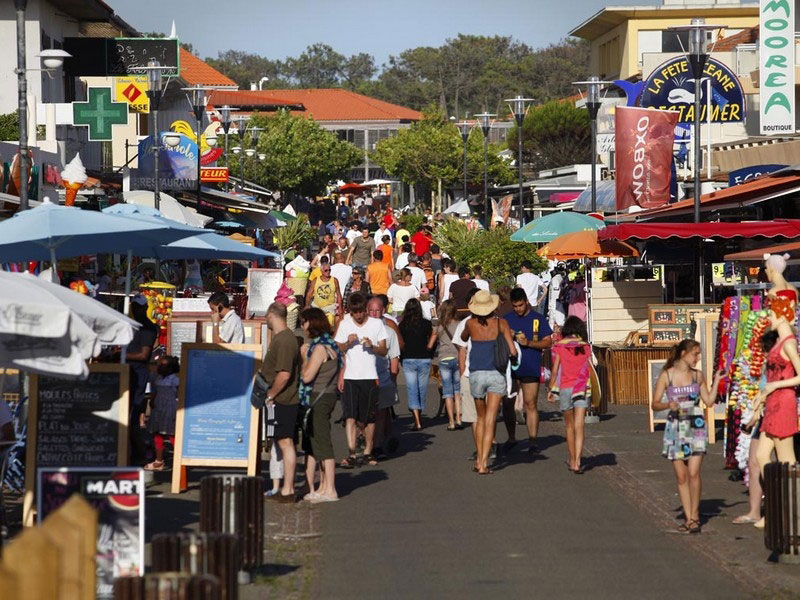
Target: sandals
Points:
x,y
486,472
156,465
744,520
351,462
683,529
369,459
694,526
452,428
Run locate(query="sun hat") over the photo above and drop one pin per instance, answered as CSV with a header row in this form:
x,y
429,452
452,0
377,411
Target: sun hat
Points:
x,y
483,303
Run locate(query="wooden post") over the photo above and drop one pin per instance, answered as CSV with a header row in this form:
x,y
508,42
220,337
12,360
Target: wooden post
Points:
x,y
8,583
35,561
73,529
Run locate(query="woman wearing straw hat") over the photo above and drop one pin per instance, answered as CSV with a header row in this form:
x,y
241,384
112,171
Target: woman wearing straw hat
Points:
x,y
487,383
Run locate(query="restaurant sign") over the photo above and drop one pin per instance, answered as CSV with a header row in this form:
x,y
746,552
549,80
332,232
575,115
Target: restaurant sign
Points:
x,y
671,87
214,174
776,66
177,166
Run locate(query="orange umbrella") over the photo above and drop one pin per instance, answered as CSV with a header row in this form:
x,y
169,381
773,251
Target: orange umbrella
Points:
x,y
584,244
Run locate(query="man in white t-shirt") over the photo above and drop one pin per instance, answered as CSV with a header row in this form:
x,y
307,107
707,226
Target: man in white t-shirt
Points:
x,y
530,282
361,339
418,279
382,231
352,233
341,271
402,259
477,278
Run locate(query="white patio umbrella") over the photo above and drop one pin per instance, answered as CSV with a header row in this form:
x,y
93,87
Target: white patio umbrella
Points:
x,y
169,207
50,330
458,208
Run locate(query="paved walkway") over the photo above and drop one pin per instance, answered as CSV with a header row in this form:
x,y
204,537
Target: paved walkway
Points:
x,y
423,525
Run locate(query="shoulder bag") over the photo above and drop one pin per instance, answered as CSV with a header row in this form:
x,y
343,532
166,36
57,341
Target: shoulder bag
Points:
x,y
502,353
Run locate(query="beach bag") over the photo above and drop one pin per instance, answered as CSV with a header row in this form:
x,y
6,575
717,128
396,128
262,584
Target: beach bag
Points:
x,y
502,354
258,397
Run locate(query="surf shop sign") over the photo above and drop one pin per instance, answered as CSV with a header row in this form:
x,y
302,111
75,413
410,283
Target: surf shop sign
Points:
x,y
671,87
776,72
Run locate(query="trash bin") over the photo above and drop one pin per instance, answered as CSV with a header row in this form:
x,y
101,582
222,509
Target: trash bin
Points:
x,y
167,586
782,519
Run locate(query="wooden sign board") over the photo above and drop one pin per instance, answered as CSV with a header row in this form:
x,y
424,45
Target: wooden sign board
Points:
x,y
191,307
262,287
181,330
252,331
654,368
216,425
74,423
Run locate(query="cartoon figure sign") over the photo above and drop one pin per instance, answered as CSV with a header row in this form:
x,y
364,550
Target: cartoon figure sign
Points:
x,y
671,87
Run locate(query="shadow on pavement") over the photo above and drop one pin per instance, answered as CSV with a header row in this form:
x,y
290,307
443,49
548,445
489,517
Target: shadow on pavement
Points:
x,y
269,571
607,459
171,513
347,482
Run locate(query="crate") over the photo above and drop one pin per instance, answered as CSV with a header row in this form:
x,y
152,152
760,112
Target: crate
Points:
x,y
782,520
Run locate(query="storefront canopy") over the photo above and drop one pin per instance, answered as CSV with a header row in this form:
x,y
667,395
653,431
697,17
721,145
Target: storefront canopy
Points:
x,y
758,253
788,228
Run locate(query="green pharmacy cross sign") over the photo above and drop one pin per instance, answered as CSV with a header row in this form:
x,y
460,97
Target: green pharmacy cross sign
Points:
x,y
99,113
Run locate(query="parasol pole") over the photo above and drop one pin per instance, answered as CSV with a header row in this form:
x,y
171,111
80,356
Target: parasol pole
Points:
x,y
126,304
53,267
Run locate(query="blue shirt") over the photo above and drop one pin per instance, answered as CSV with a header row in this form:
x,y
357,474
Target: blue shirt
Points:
x,y
531,363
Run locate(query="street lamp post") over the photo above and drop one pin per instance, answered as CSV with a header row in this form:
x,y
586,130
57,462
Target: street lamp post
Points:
x,y
254,133
593,104
198,100
154,88
225,121
241,126
519,108
464,129
697,57
485,120
22,104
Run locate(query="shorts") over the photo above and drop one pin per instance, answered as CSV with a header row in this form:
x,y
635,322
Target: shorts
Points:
x,y
526,379
387,396
566,402
285,420
360,400
469,413
451,382
487,382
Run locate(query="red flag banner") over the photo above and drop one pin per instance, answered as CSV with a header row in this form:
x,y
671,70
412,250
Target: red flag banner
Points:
x,y
644,140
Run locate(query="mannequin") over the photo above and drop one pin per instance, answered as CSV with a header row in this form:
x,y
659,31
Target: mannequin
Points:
x,y
779,422
775,265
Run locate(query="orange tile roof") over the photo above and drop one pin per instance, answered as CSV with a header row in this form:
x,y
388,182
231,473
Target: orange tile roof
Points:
x,y
332,104
196,72
248,99
746,36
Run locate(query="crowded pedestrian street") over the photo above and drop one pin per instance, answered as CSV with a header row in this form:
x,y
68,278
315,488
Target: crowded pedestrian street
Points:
x,y
350,300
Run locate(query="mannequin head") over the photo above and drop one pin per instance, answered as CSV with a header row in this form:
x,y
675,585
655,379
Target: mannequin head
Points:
x,y
775,265
780,310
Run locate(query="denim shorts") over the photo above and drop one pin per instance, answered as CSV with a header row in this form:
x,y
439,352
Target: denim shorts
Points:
x,y
451,381
565,401
487,382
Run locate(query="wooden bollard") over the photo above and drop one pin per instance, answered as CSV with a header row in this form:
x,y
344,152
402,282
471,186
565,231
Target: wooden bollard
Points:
x,y
35,561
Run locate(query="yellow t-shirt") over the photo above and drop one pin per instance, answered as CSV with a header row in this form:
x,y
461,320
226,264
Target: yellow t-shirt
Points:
x,y
315,273
324,293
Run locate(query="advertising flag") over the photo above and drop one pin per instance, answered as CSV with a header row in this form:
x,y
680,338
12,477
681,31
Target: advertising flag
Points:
x,y
644,140
776,49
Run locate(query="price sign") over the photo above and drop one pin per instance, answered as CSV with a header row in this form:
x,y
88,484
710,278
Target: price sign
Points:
x,y
718,276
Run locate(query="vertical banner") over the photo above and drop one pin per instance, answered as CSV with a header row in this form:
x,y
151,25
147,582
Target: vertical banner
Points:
x,y
644,156
776,68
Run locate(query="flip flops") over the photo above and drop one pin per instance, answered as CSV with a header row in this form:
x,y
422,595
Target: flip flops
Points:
x,y
744,520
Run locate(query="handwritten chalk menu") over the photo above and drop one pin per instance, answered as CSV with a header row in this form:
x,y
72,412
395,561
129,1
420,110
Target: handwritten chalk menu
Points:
x,y
262,287
73,423
180,332
128,55
216,425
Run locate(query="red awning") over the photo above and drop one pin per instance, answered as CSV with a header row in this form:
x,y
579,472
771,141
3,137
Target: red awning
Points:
x,y
788,228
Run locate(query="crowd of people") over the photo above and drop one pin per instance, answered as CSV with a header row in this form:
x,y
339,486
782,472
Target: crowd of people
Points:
x,y
382,302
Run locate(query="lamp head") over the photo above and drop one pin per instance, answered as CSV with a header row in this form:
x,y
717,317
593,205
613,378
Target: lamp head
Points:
x,y
53,58
171,139
261,156
211,140
154,75
464,128
485,120
254,133
697,37
249,152
236,149
225,114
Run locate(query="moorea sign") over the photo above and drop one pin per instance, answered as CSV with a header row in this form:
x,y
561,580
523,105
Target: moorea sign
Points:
x,y
776,69
671,86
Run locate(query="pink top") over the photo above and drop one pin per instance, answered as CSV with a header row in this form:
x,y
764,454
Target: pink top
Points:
x,y
574,370
780,411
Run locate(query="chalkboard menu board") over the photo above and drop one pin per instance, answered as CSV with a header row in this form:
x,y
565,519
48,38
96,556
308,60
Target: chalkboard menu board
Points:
x,y
77,423
180,332
121,56
126,55
654,368
262,287
216,425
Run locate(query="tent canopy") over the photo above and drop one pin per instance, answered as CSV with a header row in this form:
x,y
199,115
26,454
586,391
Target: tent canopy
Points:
x,y
788,228
758,253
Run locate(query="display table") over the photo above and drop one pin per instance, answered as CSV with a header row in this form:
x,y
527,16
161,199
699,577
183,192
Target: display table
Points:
x,y
623,372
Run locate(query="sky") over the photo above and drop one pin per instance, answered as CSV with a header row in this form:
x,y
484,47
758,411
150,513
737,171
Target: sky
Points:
x,y
381,28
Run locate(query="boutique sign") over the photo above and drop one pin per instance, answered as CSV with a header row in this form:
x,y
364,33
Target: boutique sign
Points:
x,y
671,86
776,68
